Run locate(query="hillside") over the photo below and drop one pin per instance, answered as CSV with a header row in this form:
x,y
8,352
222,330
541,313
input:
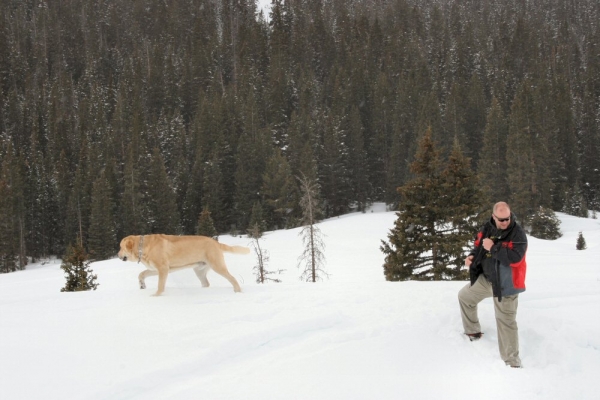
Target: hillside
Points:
x,y
352,336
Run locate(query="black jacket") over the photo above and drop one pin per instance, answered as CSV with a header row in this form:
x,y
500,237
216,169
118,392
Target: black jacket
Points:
x,y
504,266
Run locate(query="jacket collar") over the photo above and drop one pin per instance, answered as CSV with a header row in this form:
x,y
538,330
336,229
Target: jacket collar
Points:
x,y
502,232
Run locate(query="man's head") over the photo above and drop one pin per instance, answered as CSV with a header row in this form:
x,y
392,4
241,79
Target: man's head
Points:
x,y
501,215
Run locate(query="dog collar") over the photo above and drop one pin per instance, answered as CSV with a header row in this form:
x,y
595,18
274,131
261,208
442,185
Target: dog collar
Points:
x,y
140,248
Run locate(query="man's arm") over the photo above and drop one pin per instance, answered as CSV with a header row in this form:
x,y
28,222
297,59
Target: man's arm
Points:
x,y
478,251
511,251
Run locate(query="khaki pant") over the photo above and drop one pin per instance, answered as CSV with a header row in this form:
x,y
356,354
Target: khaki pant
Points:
x,y
506,317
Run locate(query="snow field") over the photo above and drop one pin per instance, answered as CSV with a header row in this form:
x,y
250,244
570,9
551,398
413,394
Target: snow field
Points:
x,y
352,336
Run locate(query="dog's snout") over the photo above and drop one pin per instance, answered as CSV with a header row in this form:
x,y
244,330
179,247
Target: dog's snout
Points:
x,y
124,258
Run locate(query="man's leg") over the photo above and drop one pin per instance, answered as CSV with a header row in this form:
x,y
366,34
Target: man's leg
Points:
x,y
508,331
468,298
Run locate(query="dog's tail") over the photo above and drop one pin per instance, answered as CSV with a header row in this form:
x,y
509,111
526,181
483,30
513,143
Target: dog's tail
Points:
x,y
234,249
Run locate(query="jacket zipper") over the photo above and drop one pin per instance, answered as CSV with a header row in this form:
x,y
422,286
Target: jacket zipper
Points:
x,y
496,262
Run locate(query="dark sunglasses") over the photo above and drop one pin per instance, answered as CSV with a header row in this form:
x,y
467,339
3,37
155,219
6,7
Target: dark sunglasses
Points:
x,y
502,219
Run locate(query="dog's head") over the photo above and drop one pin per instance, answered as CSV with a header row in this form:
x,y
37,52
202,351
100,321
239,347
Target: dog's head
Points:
x,y
126,250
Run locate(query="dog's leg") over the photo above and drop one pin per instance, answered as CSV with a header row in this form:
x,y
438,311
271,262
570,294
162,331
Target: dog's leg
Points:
x,y
220,268
142,277
163,272
201,271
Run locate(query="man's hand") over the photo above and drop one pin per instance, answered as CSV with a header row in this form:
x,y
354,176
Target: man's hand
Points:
x,y
469,261
487,244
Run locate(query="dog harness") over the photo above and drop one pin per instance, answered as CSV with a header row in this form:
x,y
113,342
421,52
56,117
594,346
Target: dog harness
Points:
x,y
140,248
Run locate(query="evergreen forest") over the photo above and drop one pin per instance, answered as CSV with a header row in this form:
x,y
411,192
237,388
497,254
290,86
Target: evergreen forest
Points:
x,y
132,117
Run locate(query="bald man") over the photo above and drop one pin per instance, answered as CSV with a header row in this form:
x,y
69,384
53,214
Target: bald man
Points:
x,y
497,269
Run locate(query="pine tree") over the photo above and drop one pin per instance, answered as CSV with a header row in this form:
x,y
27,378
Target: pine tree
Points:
x,y
227,144
79,205
465,207
590,138
438,46
174,143
528,164
549,165
279,191
306,132
404,134
566,138
397,169
357,162
437,217
79,275
300,152
280,90
214,192
8,253
193,194
413,250
36,198
257,221
492,167
163,207
334,175
102,234
114,177
63,178
545,224
581,245
379,146
475,119
134,200
429,118
206,226
12,210
520,173
248,176
575,203
455,117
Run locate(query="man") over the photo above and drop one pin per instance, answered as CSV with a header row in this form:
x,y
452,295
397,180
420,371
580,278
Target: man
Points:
x,y
497,268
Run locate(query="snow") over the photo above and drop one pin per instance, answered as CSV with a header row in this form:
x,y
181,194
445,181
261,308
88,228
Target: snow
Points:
x,y
352,336
265,7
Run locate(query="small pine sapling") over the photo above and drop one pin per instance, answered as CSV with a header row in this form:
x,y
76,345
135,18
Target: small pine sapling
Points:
x,y
581,245
206,226
80,276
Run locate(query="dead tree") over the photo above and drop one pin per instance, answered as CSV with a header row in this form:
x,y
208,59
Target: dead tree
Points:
x,y
262,256
313,257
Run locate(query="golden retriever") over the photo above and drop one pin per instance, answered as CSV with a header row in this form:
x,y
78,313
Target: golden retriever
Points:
x,y
162,254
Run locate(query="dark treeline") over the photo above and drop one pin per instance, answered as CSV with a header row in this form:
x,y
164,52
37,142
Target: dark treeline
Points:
x,y
130,117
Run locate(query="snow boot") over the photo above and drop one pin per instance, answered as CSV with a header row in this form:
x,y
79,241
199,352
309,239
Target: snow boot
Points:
x,y
474,336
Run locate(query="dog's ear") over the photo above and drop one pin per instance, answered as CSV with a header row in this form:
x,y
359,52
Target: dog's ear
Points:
x,y
129,244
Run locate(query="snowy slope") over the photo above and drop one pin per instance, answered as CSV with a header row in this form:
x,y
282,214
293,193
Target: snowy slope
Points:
x,y
352,336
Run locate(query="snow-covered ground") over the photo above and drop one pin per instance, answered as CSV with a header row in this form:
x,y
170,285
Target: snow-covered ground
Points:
x,y
352,336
